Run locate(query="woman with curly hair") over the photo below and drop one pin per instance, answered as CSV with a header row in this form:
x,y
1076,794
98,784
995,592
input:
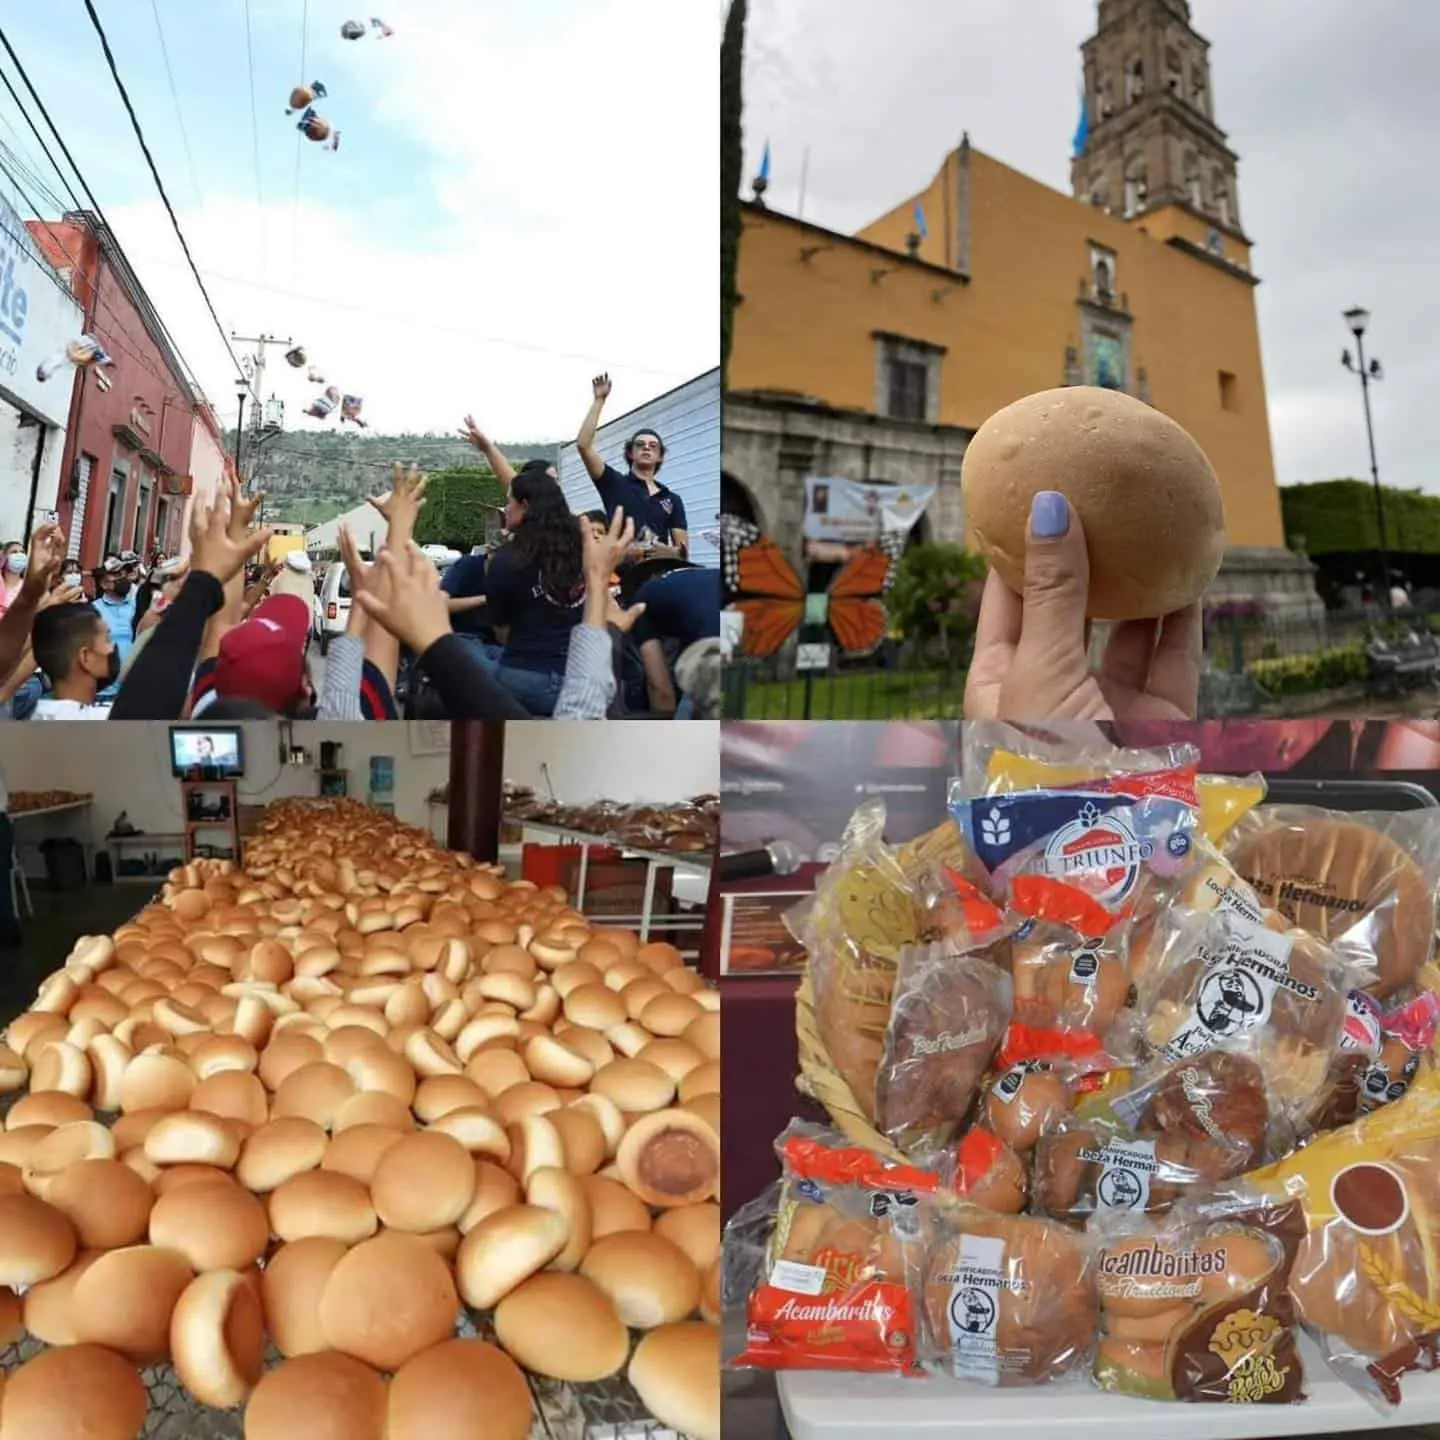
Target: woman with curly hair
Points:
x,y
535,590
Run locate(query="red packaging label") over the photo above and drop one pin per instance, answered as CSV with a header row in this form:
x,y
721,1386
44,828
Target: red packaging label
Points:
x,y
870,1326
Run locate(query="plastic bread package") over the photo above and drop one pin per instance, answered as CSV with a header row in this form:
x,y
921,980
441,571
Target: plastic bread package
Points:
x,y
1069,965
1221,977
1366,1277
1104,838
1381,1053
998,759
1008,1300
1141,1150
1365,881
1196,1307
830,1263
863,913
948,1014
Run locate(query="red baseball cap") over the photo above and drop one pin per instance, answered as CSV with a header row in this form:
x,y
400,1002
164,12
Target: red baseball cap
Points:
x,y
264,658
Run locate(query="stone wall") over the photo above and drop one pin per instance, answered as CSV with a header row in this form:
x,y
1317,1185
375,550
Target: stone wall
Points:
x,y
771,443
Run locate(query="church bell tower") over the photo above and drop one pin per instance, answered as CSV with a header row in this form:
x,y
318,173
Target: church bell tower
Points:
x,y
1152,152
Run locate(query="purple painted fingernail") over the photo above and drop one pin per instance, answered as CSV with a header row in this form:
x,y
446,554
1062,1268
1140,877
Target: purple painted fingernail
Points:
x,y
1049,515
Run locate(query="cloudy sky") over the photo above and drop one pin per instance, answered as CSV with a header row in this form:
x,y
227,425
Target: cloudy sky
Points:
x,y
524,194
1331,106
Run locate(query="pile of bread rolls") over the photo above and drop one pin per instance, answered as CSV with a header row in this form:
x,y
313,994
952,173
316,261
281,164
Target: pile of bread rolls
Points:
x,y
24,801
333,1099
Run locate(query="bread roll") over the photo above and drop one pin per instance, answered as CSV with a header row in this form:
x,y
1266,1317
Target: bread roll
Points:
x,y
76,1390
529,1318
1011,1298
318,1397
670,1157
214,1226
322,1203
460,1390
387,1300
495,1189
695,1229
290,1288
676,1373
356,1152
217,1338
1144,491
279,1150
126,1298
37,1241
613,1208
423,1183
192,1138
559,1190
649,1280
505,1248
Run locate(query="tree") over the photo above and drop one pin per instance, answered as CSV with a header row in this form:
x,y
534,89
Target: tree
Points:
x,y
936,598
457,502
1339,515
732,48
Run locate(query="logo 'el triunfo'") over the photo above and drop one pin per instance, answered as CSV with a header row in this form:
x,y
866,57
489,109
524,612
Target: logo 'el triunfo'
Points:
x,y
1099,852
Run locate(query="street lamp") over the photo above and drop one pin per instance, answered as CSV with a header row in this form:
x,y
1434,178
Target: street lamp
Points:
x,y
1357,318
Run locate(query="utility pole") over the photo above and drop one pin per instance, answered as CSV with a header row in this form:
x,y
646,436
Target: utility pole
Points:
x,y
257,384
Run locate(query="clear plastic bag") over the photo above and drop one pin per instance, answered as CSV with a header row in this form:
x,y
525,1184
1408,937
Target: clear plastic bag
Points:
x,y
829,1262
1009,1300
998,759
1364,881
1366,1278
862,915
1196,1307
1103,838
1278,994
948,1014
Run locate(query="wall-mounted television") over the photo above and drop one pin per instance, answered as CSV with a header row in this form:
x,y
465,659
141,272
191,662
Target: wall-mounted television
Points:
x,y
207,752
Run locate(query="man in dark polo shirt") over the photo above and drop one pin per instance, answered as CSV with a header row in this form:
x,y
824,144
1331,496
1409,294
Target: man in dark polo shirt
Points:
x,y
681,607
639,493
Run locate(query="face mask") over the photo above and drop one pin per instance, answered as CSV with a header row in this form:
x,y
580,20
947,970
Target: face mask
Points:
x,y
122,589
112,669
70,577
17,562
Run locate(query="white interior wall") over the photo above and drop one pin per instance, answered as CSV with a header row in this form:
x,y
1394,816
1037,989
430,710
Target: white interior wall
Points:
x,y
127,767
639,760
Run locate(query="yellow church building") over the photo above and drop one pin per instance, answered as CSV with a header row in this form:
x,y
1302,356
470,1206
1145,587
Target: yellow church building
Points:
x,y
875,356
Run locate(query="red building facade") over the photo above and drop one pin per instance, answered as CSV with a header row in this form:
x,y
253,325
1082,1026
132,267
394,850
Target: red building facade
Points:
x,y
125,471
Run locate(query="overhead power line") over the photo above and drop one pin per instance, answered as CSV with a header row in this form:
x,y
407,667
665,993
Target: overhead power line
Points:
x,y
255,138
34,129
159,184
175,96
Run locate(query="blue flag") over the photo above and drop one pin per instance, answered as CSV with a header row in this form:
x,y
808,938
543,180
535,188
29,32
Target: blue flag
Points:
x,y
1082,130
765,163
920,227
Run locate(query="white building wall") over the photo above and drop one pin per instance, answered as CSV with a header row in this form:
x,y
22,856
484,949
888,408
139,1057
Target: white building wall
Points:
x,y
688,421
17,461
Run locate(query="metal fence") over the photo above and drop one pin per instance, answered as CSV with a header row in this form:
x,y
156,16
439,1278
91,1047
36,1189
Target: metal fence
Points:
x,y
898,684
902,682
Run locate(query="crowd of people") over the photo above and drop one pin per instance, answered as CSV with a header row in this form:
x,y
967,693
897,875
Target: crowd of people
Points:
x,y
595,616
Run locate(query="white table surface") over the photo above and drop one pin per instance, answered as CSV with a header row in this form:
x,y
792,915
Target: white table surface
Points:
x,y
825,1406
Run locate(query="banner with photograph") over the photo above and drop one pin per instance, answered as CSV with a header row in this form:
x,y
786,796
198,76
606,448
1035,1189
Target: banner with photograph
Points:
x,y
856,512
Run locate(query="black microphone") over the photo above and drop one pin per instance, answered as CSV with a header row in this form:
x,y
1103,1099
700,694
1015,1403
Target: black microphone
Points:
x,y
779,857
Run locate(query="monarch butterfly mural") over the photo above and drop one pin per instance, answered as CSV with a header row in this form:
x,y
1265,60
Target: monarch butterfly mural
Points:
x,y
764,587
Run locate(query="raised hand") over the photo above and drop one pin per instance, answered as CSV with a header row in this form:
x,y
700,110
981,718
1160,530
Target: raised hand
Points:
x,y
603,553
472,434
416,611
220,544
402,504
47,555
622,620
602,386
62,595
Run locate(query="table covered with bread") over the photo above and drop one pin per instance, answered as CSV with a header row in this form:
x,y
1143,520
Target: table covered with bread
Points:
x,y
363,1140
1133,1114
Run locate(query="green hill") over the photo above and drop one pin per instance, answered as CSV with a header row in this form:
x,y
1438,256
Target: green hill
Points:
x,y
311,477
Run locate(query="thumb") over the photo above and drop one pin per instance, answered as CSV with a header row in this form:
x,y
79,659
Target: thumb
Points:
x,y
1057,578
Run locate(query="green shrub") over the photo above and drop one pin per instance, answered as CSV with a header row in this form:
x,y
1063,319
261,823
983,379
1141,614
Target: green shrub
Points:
x,y
1328,669
936,598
